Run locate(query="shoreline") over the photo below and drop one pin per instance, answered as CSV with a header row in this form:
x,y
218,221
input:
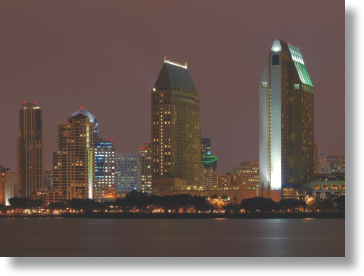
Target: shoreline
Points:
x,y
183,216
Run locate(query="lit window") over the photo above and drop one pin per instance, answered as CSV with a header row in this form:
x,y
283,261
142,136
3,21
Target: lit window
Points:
x,y
264,85
296,86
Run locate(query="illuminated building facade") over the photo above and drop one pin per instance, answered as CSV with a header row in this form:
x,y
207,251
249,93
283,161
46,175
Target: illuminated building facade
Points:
x,y
248,171
73,162
145,168
127,172
30,150
6,185
286,122
104,181
176,135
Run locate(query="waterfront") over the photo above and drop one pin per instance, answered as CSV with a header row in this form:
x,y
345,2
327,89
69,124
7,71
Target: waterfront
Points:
x,y
217,237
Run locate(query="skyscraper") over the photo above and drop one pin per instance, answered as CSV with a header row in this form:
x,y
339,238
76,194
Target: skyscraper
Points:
x,y
73,162
286,122
30,150
175,127
104,181
145,168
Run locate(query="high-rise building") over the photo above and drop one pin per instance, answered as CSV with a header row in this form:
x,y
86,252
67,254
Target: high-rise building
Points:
x,y
248,171
145,168
30,150
126,172
176,134
48,179
73,162
205,147
286,122
6,185
104,181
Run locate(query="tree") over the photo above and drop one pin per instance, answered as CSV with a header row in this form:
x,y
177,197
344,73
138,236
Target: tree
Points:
x,y
36,203
261,204
77,203
339,203
291,203
200,203
57,205
18,202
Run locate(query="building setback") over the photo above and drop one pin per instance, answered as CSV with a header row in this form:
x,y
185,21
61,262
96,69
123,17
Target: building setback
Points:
x,y
175,119
286,122
30,150
73,162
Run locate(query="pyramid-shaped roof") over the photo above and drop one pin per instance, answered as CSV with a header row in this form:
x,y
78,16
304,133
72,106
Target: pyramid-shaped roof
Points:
x,y
174,76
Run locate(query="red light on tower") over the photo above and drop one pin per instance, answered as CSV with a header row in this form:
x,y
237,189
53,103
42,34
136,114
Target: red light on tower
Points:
x,y
81,107
23,102
34,102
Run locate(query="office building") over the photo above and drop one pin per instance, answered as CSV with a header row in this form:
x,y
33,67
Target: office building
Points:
x,y
145,168
6,185
104,181
126,173
73,161
176,135
248,171
30,150
286,122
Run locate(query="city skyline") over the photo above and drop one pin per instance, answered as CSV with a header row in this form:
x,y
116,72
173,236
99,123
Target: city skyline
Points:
x,y
225,74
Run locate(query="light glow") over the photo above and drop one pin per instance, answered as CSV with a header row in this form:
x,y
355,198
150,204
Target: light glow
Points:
x,y
176,64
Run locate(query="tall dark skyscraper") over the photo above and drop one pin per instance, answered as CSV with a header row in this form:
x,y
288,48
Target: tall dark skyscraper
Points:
x,y
175,127
286,122
30,150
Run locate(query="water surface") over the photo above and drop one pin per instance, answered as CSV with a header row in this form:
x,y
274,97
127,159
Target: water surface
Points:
x,y
172,237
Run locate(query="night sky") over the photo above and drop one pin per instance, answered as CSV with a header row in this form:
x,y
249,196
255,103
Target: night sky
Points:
x,y
106,57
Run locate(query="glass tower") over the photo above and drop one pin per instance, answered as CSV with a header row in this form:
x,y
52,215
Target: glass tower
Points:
x,y
286,122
